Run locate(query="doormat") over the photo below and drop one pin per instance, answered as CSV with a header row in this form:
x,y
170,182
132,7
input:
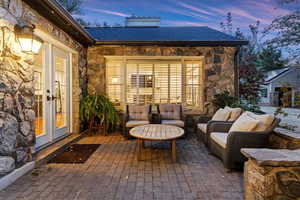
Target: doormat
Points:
x,y
75,154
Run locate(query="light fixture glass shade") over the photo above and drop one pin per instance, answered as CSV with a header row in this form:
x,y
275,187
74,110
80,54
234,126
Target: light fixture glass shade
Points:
x,y
29,42
25,43
36,44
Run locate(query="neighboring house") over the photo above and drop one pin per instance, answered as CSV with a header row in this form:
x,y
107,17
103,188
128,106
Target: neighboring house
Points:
x,y
136,64
281,83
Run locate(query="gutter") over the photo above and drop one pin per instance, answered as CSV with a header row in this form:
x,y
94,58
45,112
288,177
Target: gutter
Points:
x,y
51,8
176,43
63,13
237,72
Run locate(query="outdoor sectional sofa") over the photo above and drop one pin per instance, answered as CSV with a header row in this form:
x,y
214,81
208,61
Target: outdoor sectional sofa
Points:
x,y
227,145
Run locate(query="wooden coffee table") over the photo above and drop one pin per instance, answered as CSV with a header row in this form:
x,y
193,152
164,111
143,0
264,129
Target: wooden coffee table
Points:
x,y
156,132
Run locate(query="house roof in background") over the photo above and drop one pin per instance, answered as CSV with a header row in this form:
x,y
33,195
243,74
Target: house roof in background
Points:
x,y
201,35
54,12
272,75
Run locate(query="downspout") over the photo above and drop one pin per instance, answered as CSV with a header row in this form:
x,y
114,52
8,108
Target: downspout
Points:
x,y
237,73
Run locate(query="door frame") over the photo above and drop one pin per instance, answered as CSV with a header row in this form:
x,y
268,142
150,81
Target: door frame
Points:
x,y
49,43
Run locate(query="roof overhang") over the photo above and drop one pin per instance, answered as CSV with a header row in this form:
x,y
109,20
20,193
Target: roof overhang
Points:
x,y
54,12
175,43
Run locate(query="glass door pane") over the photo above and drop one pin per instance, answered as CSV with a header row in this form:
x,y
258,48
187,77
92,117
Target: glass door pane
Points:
x,y
60,92
39,94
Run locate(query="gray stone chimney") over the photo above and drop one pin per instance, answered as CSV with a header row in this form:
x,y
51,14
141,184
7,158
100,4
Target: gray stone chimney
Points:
x,y
135,21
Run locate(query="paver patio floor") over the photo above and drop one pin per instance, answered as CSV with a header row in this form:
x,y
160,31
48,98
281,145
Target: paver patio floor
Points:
x,y
113,172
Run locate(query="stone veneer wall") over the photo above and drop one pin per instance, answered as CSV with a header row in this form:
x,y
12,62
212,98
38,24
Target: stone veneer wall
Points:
x,y
271,183
17,136
218,66
284,139
272,174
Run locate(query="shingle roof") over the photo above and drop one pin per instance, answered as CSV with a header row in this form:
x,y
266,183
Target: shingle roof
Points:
x,y
160,34
271,75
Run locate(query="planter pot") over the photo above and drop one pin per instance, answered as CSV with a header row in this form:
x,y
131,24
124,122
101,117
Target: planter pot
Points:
x,y
4,4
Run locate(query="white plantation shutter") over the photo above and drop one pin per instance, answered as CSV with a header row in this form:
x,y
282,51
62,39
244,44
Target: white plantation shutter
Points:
x,y
132,82
192,86
161,89
146,81
175,83
114,81
145,89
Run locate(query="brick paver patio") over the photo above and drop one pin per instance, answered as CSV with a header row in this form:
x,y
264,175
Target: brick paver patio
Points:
x,y
113,172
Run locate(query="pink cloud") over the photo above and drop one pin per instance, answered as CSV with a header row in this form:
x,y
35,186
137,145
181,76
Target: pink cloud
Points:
x,y
195,8
246,14
183,12
187,23
109,12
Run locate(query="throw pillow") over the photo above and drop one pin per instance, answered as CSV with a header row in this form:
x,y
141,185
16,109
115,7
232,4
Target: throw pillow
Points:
x,y
244,123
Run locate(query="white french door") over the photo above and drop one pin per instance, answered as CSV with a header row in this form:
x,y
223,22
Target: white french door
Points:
x,y
52,94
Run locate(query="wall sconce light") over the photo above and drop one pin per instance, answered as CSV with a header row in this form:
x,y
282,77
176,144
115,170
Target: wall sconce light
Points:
x,y
29,42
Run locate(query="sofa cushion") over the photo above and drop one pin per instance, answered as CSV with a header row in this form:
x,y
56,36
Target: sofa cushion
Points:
x,y
170,111
220,138
134,123
178,123
234,113
244,123
265,121
221,115
139,112
202,127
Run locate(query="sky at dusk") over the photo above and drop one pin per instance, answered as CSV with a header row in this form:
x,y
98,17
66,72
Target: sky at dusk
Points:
x,y
186,12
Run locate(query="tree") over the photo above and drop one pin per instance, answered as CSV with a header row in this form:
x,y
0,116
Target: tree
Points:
x,y
270,58
72,6
82,22
250,80
287,32
250,76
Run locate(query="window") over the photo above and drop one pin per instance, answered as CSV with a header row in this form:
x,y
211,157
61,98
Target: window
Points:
x,y
264,92
147,81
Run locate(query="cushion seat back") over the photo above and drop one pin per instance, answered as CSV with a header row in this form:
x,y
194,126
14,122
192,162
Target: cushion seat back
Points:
x,y
139,112
170,111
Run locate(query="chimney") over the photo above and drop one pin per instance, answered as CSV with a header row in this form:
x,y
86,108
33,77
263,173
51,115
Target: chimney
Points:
x,y
135,21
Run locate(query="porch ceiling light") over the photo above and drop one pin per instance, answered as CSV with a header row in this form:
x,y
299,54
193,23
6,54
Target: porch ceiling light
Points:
x,y
29,42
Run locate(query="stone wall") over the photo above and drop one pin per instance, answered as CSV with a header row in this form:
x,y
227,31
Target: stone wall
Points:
x,y
17,117
218,66
284,139
272,174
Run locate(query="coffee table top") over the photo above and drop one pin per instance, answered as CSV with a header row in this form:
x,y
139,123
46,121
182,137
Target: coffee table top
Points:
x,y
157,132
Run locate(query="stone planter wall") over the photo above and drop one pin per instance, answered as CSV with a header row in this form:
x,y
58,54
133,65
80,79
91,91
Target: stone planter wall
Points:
x,y
272,174
219,65
17,117
284,139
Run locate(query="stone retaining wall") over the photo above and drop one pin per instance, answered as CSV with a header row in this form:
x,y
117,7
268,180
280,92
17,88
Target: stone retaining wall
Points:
x,y
272,174
284,139
218,66
17,116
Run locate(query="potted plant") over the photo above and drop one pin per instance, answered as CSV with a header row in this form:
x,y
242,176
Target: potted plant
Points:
x,y
98,110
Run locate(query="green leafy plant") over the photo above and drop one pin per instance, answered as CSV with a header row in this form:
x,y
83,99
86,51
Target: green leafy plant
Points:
x,y
99,110
224,99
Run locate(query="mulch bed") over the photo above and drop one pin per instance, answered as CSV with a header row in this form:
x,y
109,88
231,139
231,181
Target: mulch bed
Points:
x,y
75,154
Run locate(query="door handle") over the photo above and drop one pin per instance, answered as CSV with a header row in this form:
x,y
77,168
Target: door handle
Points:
x,y
48,98
53,98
